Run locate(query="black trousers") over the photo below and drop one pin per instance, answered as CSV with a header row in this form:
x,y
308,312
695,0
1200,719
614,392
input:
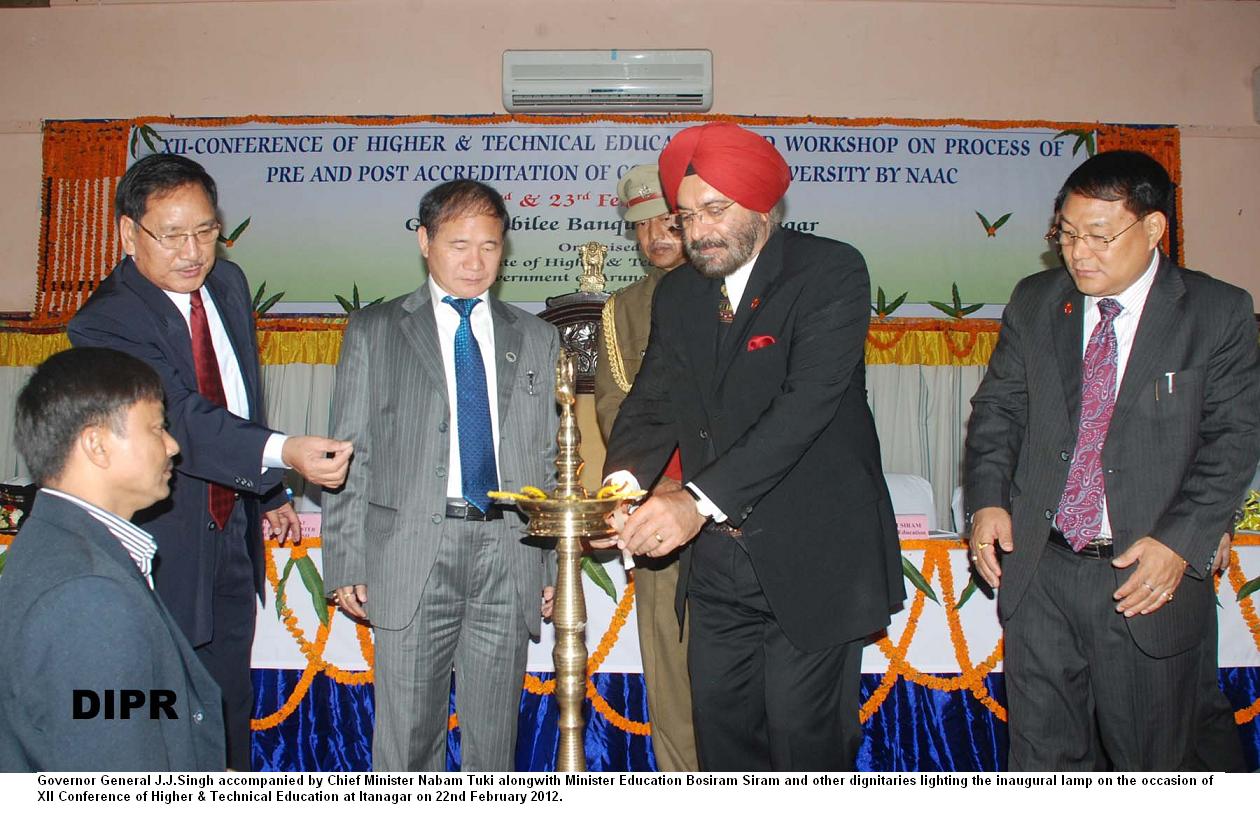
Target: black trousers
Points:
x,y
227,654
1083,696
759,702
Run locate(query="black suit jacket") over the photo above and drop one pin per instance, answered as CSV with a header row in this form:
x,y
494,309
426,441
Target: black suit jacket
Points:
x,y
777,434
75,613
1175,462
131,314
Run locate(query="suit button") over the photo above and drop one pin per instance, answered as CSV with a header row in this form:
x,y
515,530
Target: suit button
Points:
x,y
442,427
210,526
1049,514
441,472
1065,456
436,518
704,435
198,716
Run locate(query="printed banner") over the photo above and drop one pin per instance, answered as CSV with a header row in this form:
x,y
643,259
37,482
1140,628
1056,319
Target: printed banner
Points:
x,y
314,210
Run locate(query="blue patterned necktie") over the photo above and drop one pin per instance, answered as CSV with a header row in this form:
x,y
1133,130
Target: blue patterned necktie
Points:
x,y
476,436
1080,509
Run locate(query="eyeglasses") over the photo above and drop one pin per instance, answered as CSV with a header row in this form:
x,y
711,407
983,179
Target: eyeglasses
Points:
x,y
174,242
1094,242
710,214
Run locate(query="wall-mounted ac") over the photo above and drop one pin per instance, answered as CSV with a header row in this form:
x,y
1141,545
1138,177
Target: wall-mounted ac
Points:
x,y
594,81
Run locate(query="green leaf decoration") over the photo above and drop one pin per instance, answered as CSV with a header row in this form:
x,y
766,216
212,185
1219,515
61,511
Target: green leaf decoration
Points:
x,y
270,301
315,585
1084,138
1001,221
353,303
3,556
239,230
1250,588
262,306
147,134
916,579
135,133
957,310
988,228
883,308
284,579
596,573
967,592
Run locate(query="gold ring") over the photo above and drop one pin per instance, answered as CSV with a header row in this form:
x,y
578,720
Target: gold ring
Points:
x,y
1169,595
985,544
659,538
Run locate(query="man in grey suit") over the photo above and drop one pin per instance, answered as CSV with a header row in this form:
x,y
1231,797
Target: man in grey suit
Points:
x,y
447,393
97,675
1110,441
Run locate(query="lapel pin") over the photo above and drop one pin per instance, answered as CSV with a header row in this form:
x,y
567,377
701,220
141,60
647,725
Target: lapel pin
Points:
x,y
1067,309
756,301
510,356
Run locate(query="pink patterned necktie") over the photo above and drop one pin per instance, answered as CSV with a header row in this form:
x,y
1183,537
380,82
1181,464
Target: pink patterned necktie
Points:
x,y
1080,510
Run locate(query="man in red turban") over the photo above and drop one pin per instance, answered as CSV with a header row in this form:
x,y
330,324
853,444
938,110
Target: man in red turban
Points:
x,y
755,371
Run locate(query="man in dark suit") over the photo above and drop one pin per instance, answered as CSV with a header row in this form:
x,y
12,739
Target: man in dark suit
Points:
x,y
1109,443
171,303
81,632
754,370
448,393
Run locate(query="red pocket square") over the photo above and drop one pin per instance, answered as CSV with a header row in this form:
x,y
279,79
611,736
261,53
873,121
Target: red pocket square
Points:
x,y
760,342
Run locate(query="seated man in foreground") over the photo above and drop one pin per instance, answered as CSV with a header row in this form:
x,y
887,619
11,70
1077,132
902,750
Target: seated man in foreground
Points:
x,y
96,674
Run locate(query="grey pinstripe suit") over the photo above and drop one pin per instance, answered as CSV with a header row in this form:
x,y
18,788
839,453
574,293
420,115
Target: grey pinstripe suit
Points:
x,y
387,529
1174,464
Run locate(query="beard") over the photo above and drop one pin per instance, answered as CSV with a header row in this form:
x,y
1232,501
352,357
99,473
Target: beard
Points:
x,y
739,247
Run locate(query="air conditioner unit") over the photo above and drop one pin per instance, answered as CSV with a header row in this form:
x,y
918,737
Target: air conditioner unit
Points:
x,y
594,81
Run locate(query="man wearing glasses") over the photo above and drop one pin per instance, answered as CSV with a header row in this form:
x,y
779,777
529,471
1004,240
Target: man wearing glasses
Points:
x,y
1109,443
173,304
627,322
755,372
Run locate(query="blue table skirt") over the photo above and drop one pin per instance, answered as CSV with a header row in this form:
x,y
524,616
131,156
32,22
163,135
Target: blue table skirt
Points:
x,y
916,729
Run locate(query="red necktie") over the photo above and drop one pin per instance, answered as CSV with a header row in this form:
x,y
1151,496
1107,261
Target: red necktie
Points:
x,y
210,385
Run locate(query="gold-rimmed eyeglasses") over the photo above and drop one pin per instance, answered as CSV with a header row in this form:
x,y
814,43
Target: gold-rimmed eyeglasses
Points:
x,y
708,214
176,241
1095,242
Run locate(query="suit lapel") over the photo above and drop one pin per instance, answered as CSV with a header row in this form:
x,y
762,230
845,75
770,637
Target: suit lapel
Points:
x,y
760,282
171,324
419,329
507,350
1159,318
1067,323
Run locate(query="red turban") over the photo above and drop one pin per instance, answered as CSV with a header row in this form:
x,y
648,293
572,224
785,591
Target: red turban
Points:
x,y
740,164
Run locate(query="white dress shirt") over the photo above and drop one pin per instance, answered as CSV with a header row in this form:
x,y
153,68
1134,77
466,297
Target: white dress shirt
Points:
x,y
1132,301
483,329
229,369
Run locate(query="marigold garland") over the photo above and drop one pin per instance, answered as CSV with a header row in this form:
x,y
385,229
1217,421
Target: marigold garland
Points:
x,y
1248,608
971,678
